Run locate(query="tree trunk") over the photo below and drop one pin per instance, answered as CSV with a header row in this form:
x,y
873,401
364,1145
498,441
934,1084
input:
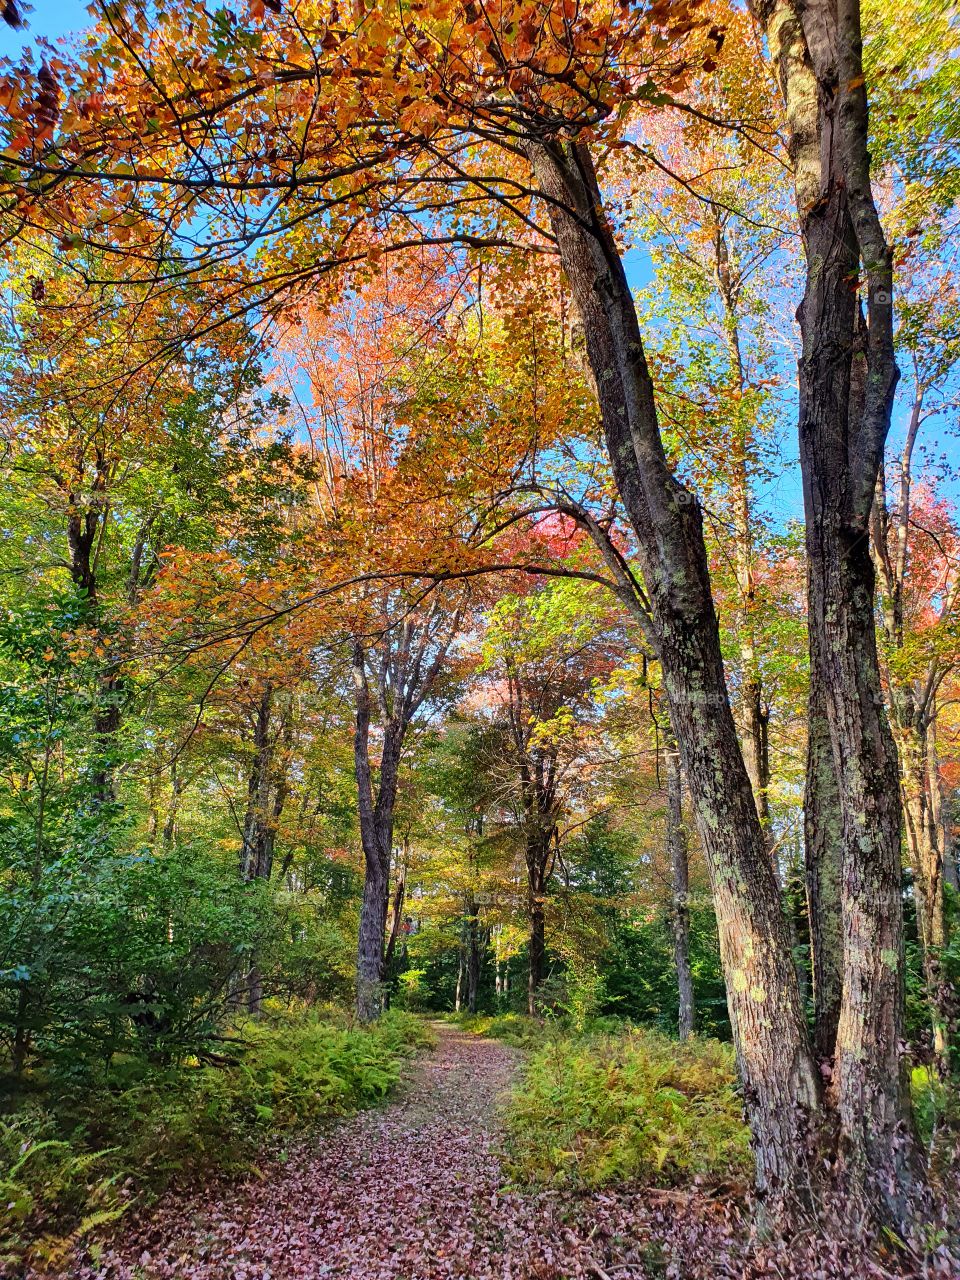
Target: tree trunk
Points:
x,y
370,953
912,705
781,1084
376,836
83,532
937,807
926,858
847,376
501,982
21,1037
537,960
255,824
680,913
266,796
396,909
823,839
473,957
178,785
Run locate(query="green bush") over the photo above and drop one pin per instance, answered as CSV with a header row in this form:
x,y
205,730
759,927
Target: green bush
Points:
x,y
108,955
512,1028
79,1160
630,1106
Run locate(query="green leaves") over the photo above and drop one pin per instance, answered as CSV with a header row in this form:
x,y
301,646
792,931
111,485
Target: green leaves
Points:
x,y
632,1106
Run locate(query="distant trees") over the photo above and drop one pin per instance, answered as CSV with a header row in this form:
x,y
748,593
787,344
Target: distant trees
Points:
x,y
545,656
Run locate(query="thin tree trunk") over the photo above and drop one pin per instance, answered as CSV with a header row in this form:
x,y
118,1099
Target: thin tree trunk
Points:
x,y
376,835
177,787
937,807
680,913
258,790
396,909
21,1036
83,532
461,972
473,957
537,959
926,858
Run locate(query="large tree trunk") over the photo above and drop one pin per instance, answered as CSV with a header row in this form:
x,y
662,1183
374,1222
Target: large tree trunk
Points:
x,y
823,839
680,912
781,1084
847,379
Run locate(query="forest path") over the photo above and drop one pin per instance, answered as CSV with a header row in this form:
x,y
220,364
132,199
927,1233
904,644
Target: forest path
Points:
x,y
408,1191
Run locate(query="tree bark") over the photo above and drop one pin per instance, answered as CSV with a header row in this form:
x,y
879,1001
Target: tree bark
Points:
x,y
84,529
409,659
781,1084
473,957
396,908
537,959
680,912
376,836
937,807
266,797
178,785
925,855
256,819
912,706
847,376
823,838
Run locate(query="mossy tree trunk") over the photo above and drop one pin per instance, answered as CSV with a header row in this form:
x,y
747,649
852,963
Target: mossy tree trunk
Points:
x,y
781,1084
847,376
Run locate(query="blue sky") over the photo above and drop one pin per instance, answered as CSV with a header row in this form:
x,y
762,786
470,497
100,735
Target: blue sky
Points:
x,y
50,19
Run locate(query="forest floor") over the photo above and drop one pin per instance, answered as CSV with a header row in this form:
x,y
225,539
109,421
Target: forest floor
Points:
x,y
414,1190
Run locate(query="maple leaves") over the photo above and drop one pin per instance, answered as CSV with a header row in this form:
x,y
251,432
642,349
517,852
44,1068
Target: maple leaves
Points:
x,y
323,136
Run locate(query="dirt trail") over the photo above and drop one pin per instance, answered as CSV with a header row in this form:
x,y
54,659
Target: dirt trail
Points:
x,y
414,1191
409,1191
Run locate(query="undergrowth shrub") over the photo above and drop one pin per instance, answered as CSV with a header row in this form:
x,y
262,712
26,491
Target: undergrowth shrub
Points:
x,y
74,1159
512,1028
632,1106
523,1032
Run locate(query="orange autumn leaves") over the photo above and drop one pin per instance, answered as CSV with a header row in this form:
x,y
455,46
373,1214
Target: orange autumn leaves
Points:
x,y
264,144
415,411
